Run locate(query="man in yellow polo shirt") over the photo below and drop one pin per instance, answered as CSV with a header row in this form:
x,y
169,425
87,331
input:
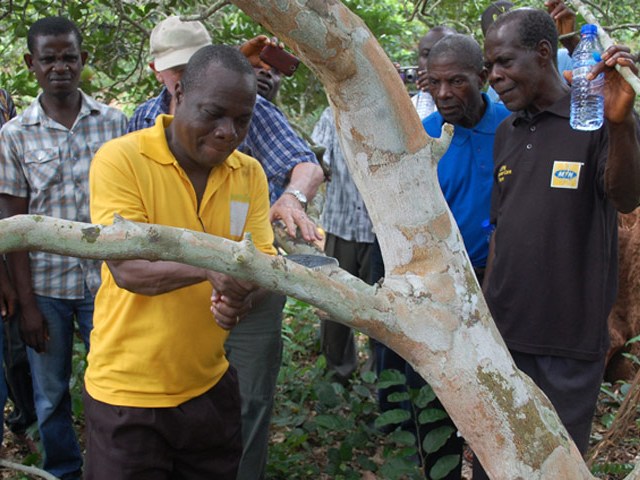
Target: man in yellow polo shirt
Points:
x,y
161,399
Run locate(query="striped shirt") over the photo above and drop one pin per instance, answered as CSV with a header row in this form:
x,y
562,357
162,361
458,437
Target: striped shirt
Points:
x,y
345,214
49,164
271,140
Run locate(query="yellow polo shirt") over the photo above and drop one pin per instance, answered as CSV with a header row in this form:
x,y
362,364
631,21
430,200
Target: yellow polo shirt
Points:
x,y
163,350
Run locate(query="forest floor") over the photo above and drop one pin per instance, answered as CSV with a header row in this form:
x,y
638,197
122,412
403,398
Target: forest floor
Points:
x,y
322,430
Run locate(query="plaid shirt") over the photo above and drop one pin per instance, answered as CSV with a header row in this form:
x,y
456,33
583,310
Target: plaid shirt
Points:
x,y
48,163
345,214
146,113
7,108
270,139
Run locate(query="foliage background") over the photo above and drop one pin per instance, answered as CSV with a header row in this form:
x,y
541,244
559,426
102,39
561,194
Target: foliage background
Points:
x,y
116,36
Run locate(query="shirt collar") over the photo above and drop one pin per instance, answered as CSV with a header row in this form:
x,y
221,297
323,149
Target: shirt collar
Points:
x,y
35,114
434,122
561,108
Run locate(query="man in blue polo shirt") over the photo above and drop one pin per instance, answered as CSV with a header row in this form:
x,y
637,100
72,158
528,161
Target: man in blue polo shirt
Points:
x,y
465,172
456,77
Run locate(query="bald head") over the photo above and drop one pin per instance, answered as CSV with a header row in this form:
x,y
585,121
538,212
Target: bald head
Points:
x,y
463,48
429,40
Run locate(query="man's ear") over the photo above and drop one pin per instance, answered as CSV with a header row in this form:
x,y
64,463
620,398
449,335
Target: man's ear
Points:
x,y
28,60
178,94
483,76
83,56
544,51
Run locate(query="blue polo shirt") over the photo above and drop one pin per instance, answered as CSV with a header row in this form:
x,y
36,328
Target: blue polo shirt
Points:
x,y
465,173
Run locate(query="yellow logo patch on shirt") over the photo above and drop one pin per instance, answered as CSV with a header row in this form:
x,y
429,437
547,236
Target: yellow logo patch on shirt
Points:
x,y
565,174
503,172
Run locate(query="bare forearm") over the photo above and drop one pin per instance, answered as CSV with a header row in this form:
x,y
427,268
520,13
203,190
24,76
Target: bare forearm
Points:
x,y
306,177
154,278
622,174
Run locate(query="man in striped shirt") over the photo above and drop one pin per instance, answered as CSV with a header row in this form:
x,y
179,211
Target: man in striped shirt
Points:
x,y
45,155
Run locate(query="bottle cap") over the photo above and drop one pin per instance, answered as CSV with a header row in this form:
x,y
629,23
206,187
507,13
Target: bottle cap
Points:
x,y
589,28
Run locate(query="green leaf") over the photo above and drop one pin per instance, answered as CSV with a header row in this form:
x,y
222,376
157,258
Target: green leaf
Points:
x,y
368,377
435,439
402,437
444,466
361,391
397,468
391,378
366,463
397,397
330,422
431,415
425,396
327,395
392,417
633,340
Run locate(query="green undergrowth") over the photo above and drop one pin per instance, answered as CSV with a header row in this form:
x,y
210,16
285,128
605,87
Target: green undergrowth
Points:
x,y
322,429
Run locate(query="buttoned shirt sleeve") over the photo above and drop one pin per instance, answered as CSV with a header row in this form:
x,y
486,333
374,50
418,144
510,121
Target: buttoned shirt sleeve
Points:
x,y
272,141
113,186
12,179
7,107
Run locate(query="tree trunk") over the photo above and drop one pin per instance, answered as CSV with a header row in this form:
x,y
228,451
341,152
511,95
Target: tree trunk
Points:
x,y
439,322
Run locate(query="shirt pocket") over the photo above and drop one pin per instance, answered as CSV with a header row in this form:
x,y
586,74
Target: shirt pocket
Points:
x,y
43,168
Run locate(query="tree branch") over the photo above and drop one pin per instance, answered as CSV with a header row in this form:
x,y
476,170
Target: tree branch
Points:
x,y
606,42
124,240
27,469
205,14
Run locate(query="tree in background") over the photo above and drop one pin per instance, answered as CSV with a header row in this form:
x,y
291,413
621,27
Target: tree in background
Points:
x,y
117,33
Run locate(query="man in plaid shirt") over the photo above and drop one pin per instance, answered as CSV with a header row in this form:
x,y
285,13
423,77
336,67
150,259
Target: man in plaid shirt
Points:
x,y
45,155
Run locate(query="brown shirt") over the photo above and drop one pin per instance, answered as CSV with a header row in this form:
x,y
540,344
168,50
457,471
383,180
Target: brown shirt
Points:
x,y
554,276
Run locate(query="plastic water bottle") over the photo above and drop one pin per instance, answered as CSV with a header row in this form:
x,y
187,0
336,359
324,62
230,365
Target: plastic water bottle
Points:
x,y
587,97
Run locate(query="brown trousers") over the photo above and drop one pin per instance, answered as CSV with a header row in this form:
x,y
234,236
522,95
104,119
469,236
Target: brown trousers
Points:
x,y
199,439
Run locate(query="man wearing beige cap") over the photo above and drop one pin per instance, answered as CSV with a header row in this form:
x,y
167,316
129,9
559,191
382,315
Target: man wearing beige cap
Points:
x,y
254,347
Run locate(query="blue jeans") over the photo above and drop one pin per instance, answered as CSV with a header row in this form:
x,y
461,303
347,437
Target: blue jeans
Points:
x,y
51,372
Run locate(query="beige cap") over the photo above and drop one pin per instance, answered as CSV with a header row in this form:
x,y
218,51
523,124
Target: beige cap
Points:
x,y
173,42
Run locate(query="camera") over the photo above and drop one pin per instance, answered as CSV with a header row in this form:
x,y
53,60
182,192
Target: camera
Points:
x,y
409,75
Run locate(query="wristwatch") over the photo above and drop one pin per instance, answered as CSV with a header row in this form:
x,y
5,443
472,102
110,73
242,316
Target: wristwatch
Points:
x,y
301,197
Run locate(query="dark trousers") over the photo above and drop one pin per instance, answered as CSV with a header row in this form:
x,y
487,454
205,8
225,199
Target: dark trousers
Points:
x,y
337,340
198,440
572,387
18,376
